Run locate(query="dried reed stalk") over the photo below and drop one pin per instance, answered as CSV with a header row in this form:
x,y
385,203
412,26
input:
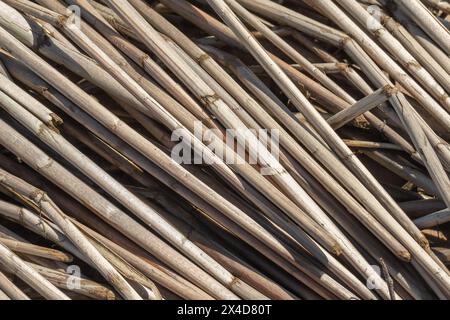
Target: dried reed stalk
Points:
x,y
10,289
427,21
18,267
30,249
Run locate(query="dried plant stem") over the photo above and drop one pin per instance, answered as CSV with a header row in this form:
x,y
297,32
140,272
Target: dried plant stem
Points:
x,y
433,219
227,15
217,106
362,106
141,262
428,22
144,60
431,160
84,286
287,86
18,267
38,225
324,257
371,144
173,32
44,114
76,237
90,46
406,172
10,289
268,98
58,145
416,49
339,39
168,180
289,50
114,216
223,31
395,47
322,153
22,247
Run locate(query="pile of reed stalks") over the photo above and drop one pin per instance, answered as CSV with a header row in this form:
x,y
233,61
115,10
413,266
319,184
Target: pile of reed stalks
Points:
x,y
321,170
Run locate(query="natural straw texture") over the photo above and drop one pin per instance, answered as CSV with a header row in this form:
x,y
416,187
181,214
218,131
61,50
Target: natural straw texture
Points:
x,y
224,149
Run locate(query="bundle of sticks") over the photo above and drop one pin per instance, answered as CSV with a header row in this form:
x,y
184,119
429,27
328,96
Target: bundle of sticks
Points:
x,y
224,149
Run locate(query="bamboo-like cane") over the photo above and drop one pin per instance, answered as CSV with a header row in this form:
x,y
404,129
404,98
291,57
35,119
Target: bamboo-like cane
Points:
x,y
113,19
364,61
209,63
97,52
394,46
327,67
140,283
17,266
277,74
337,38
229,118
371,144
438,4
304,154
271,68
362,106
188,117
60,53
416,49
376,52
193,50
290,51
37,225
142,59
54,33
258,89
61,143
225,33
312,144
433,219
176,284
45,115
22,187
84,119
431,160
229,259
372,69
84,286
256,246
124,165
155,270
129,13
119,220
427,21
47,205
425,41
7,233
406,172
10,289
75,30
349,72
21,247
